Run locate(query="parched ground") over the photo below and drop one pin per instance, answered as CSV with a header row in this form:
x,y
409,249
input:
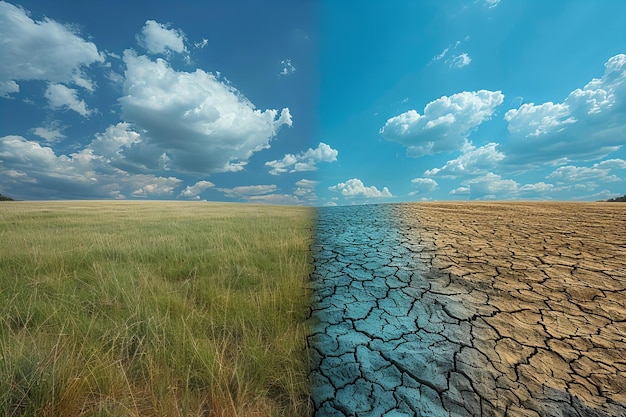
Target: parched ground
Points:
x,y
542,289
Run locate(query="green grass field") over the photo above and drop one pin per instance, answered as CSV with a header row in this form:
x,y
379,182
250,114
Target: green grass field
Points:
x,y
153,309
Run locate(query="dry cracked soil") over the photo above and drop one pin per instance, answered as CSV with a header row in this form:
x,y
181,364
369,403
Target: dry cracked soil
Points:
x,y
470,309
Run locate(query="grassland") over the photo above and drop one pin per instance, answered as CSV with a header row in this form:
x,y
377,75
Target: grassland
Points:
x,y
153,309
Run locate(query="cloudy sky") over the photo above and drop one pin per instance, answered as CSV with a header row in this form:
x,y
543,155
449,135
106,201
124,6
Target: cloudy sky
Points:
x,y
316,103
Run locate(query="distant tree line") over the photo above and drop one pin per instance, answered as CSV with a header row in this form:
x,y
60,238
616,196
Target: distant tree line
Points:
x,y
5,198
621,199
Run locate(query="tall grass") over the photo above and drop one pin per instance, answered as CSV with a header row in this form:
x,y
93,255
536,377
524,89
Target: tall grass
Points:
x,y
153,309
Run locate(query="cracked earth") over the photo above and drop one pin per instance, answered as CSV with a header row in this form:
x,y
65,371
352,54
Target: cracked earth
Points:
x,y
481,309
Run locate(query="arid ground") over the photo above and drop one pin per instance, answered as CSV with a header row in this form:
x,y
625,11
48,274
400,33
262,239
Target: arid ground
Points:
x,y
543,287
470,309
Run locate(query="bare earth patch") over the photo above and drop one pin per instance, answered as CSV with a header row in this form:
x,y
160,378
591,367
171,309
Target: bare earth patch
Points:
x,y
542,287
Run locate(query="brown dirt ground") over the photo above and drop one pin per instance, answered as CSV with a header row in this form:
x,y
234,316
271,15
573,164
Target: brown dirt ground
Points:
x,y
543,286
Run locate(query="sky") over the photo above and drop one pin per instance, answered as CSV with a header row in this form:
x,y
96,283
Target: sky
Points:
x,y
315,103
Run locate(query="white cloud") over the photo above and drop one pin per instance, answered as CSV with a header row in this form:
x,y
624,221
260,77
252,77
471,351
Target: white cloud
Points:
x,y
194,191
493,186
307,183
52,132
581,175
611,164
491,3
473,161
304,161
60,96
355,188
84,174
110,145
424,185
41,50
532,120
8,87
260,194
442,55
158,39
537,188
115,78
601,195
305,189
275,199
204,125
202,44
248,191
22,154
157,186
489,186
460,61
445,124
460,191
589,124
288,68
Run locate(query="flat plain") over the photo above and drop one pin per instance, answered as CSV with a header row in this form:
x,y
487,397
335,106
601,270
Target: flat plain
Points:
x,y
169,308
153,309
541,290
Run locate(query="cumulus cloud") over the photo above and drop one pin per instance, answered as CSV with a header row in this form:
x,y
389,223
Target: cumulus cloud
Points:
x,y
288,67
110,145
532,120
201,123
589,124
41,50
460,191
304,161
305,189
489,186
588,175
536,188
445,123
83,174
62,97
156,38
355,188
194,191
157,186
423,185
21,154
611,164
492,186
473,161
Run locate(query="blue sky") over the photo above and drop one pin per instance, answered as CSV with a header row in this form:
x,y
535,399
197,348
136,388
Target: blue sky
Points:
x,y
313,103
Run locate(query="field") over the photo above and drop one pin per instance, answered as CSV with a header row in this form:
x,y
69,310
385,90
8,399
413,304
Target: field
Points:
x,y
153,309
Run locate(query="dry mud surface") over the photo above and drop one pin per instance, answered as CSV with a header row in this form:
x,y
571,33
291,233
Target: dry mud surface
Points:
x,y
481,309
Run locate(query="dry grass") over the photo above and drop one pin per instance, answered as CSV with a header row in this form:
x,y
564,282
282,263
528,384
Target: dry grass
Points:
x,y
153,309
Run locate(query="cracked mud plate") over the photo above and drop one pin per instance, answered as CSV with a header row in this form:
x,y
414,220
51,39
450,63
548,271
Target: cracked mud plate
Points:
x,y
469,310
